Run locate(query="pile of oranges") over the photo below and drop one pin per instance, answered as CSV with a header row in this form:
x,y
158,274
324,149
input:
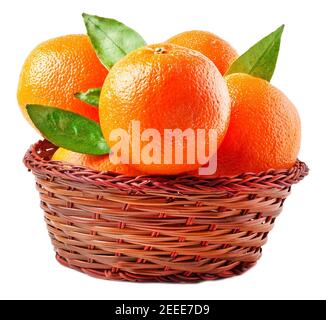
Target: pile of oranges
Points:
x,y
180,83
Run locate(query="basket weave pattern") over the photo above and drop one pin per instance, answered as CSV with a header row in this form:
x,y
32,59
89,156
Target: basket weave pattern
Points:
x,y
148,228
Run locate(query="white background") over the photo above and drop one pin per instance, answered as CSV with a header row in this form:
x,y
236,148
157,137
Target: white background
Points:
x,y
293,262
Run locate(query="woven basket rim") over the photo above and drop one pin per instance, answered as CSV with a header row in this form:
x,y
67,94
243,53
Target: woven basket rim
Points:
x,y
37,159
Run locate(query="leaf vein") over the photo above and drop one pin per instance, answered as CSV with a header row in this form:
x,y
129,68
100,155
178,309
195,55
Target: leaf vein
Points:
x,y
106,35
262,55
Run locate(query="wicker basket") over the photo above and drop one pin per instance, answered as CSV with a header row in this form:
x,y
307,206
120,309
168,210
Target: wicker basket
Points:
x,y
168,229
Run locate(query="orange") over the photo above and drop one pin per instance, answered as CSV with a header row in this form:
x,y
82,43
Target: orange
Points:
x,y
58,68
99,163
212,46
164,86
264,130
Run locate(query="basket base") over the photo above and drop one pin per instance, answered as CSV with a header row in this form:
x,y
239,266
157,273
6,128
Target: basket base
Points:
x,y
179,278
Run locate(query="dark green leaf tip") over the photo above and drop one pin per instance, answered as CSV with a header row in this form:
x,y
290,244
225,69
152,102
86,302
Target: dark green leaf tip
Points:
x,y
260,60
111,39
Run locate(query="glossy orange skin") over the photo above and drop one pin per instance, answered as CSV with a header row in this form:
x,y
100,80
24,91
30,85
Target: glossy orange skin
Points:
x,y
164,86
58,68
264,130
99,163
209,44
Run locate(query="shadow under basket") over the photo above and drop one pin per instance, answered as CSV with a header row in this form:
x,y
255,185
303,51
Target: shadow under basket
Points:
x,y
156,228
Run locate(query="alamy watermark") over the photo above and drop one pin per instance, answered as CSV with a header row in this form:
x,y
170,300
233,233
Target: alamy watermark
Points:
x,y
179,147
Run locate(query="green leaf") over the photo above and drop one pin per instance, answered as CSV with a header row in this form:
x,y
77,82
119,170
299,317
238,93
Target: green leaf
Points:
x,y
111,39
260,60
68,130
91,96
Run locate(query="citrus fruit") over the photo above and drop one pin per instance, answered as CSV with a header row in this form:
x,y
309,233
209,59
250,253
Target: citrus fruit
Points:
x,y
99,163
164,86
212,46
57,69
264,130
